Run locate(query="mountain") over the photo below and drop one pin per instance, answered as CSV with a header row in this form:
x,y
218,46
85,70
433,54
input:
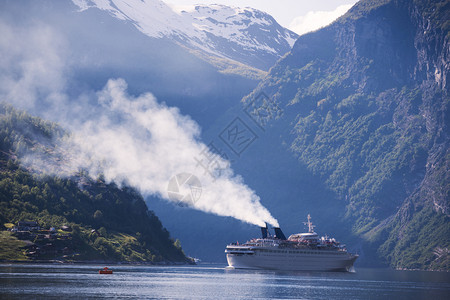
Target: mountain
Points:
x,y
217,33
351,126
150,46
366,111
99,221
82,49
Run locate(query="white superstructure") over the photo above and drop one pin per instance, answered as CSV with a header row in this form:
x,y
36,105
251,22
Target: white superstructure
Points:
x,y
300,252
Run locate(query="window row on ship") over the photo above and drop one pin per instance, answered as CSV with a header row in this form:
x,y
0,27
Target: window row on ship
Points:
x,y
300,252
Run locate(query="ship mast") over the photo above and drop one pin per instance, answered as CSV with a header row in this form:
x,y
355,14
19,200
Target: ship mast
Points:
x,y
310,225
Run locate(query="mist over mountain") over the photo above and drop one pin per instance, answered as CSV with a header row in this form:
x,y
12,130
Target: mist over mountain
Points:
x,y
70,53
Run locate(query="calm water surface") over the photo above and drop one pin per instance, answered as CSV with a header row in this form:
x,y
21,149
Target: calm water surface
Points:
x,y
214,282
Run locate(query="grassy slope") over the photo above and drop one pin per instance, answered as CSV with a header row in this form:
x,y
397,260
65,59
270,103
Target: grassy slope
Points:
x,y
11,247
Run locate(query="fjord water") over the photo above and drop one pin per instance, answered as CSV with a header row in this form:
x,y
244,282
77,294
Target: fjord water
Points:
x,y
215,282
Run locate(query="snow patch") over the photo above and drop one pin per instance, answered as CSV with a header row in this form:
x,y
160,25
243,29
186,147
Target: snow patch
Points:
x,y
202,27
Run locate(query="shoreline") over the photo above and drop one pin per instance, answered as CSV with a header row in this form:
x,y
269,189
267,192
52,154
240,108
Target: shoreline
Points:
x,y
163,263
96,262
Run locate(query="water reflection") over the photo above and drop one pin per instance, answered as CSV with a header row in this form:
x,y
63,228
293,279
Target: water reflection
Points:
x,y
215,281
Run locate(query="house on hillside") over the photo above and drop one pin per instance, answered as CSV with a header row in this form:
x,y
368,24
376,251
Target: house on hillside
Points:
x,y
28,226
66,228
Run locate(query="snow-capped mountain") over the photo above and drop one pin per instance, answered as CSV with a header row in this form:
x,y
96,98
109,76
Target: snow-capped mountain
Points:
x,y
244,35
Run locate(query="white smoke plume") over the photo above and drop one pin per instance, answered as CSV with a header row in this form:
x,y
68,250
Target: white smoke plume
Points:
x,y
145,144
135,140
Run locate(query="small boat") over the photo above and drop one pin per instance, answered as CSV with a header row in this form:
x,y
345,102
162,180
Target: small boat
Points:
x,y
105,270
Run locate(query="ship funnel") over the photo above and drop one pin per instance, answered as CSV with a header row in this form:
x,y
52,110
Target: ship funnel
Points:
x,y
279,234
265,231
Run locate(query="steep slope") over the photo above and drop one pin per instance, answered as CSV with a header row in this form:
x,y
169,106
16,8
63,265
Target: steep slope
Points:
x,y
215,32
368,96
124,228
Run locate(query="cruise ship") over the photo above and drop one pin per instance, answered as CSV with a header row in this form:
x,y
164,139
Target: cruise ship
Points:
x,y
300,252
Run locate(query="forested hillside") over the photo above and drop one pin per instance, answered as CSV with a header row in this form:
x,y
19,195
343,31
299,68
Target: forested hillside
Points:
x,y
107,222
366,110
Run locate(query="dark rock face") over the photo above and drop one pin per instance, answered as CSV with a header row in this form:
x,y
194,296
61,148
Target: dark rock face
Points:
x,y
369,99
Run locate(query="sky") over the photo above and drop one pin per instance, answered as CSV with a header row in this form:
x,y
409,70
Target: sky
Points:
x,y
300,16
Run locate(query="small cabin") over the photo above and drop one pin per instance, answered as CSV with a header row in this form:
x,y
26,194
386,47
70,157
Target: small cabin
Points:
x,y
28,226
66,228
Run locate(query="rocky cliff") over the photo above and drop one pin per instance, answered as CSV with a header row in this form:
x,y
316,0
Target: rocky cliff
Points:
x,y
366,103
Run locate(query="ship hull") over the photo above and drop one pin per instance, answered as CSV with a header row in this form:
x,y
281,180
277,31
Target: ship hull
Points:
x,y
301,261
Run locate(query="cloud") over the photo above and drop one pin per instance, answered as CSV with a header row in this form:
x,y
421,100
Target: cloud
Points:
x,y
35,66
32,65
314,20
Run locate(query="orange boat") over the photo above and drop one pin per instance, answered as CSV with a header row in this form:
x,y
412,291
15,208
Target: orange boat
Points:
x,y
105,270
